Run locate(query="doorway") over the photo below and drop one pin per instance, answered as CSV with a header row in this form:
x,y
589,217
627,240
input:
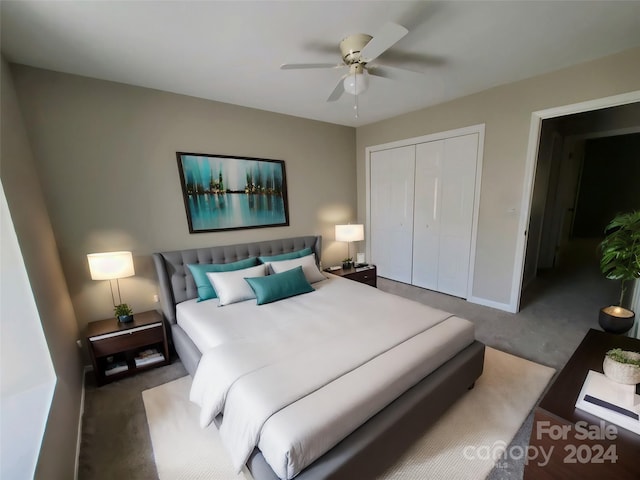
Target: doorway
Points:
x,y
558,142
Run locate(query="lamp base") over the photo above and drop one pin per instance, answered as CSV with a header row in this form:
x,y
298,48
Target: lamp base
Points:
x,y
617,320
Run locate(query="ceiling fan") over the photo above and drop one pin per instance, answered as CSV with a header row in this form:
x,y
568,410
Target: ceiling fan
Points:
x,y
358,51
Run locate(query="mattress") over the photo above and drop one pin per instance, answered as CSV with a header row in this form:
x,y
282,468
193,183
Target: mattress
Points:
x,y
324,362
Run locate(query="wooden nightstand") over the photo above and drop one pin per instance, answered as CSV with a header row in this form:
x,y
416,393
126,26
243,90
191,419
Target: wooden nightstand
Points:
x,y
121,349
368,274
559,428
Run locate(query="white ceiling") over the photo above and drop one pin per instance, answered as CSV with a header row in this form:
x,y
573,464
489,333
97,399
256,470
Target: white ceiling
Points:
x,y
231,51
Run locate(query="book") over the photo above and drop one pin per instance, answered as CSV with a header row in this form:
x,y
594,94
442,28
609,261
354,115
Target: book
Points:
x,y
611,401
147,353
148,356
362,268
116,367
149,361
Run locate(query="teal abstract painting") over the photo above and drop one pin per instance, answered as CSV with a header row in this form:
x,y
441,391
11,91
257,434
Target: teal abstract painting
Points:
x,y
229,193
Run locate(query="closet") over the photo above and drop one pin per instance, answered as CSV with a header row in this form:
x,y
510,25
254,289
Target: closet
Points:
x,y
422,199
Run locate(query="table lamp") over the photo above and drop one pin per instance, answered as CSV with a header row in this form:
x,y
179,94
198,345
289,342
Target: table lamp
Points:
x,y
349,233
112,266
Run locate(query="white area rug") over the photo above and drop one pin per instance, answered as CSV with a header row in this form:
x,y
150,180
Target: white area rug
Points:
x,y
487,416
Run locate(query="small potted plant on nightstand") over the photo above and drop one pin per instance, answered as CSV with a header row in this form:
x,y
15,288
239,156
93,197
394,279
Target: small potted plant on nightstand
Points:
x,y
123,312
620,261
622,366
347,263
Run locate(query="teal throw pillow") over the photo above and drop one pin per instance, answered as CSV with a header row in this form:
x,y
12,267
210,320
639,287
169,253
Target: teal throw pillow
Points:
x,y
279,286
287,256
199,272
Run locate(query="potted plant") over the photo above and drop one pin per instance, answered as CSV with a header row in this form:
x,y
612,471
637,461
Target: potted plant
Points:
x,y
347,263
123,312
622,366
620,260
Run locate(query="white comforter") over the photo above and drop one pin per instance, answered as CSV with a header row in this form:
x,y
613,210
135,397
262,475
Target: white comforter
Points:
x,y
295,398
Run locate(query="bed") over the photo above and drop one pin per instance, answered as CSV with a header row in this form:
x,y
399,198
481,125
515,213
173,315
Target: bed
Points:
x,y
315,425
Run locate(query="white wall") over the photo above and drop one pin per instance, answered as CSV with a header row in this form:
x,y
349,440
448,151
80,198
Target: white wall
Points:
x,y
26,370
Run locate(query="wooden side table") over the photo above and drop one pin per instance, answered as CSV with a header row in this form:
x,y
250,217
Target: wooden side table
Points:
x,y
581,445
367,275
119,350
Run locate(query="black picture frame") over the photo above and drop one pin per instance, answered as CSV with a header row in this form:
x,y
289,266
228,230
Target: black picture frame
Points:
x,y
223,192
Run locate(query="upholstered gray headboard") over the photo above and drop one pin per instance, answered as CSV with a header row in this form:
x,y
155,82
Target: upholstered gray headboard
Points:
x,y
176,283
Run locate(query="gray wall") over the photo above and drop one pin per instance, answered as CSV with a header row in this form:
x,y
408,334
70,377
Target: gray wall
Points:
x,y
106,154
506,111
30,215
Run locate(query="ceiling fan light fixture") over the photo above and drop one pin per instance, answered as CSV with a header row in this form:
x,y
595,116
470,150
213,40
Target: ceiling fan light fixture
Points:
x,y
357,82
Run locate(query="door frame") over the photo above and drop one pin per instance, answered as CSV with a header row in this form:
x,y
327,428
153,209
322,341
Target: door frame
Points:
x,y
458,132
535,129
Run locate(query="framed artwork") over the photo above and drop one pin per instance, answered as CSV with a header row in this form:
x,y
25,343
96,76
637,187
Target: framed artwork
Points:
x,y
230,193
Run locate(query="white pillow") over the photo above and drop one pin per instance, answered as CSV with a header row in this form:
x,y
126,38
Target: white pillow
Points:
x,y
307,263
231,286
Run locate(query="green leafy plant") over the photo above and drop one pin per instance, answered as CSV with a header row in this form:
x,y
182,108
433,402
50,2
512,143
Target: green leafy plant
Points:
x,y
122,309
621,356
621,250
347,260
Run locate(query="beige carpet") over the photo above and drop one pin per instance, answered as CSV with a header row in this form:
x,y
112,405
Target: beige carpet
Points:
x,y
463,444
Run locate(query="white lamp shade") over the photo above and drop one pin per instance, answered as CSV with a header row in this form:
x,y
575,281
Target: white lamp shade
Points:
x,y
356,83
110,265
349,233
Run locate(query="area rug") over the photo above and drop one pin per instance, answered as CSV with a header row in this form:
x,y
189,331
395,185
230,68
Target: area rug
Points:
x,y
464,444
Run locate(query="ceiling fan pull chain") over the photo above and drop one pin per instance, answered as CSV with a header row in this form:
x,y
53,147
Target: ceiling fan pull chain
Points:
x,y
355,101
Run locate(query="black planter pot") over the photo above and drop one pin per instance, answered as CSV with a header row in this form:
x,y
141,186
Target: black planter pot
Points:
x,y
616,320
125,318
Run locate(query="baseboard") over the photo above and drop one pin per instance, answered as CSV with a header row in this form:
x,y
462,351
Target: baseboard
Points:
x,y
490,303
87,368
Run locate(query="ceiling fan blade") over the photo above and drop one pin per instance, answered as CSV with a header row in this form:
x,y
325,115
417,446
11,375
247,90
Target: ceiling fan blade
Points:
x,y
379,72
390,71
300,66
338,91
327,48
400,59
384,39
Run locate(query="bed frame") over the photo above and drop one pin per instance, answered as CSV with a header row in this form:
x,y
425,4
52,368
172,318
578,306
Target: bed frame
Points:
x,y
379,442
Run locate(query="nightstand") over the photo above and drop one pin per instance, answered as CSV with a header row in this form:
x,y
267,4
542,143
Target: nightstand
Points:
x,y
118,350
368,274
579,444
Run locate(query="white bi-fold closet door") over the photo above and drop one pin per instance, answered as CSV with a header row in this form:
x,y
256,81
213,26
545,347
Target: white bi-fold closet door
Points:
x,y
445,176
392,188
421,212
